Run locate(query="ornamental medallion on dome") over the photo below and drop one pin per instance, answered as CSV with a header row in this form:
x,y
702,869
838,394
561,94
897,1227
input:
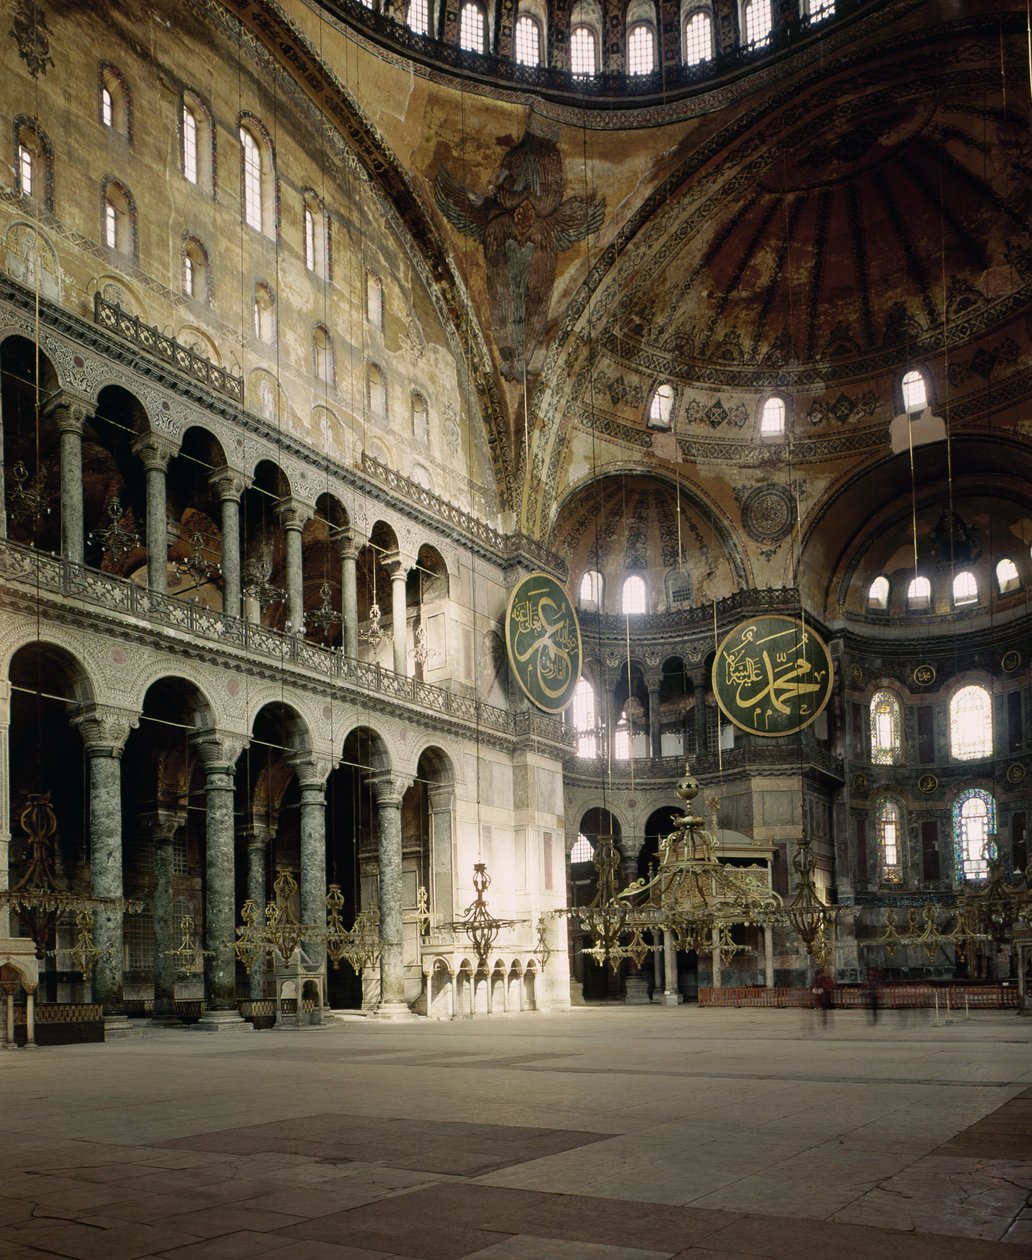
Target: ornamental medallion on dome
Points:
x,y
772,675
768,512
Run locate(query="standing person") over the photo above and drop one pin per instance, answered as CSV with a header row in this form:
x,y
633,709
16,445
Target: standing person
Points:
x,y
873,992
822,990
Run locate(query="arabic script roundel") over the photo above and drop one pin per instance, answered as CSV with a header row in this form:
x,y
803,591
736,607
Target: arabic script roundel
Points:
x,y
772,675
542,637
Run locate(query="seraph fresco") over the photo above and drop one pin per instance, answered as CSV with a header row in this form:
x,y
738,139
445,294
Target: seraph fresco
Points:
x,y
524,224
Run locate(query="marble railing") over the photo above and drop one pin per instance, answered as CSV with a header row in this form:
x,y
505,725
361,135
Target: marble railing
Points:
x,y
47,574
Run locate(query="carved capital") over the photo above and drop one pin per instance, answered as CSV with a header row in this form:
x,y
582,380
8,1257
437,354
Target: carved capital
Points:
x,y
70,410
228,483
312,772
388,788
396,564
347,545
162,824
293,514
154,450
218,751
105,729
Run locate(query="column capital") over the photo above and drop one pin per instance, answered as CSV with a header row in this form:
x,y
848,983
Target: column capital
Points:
x,y
70,410
163,823
154,450
388,788
228,483
347,544
441,797
257,833
293,514
397,564
312,772
104,728
218,751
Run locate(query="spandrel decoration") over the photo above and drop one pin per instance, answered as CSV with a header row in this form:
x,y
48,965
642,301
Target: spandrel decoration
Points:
x,y
542,637
772,675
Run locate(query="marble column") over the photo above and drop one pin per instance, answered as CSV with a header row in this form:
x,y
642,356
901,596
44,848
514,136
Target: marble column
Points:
x,y
389,791
715,957
5,803
700,716
671,990
230,486
441,802
257,838
313,859
655,736
163,825
292,519
154,452
348,554
3,493
395,566
768,956
104,732
71,416
219,757
657,963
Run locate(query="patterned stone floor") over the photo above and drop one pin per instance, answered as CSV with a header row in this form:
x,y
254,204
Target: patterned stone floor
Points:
x,y
598,1134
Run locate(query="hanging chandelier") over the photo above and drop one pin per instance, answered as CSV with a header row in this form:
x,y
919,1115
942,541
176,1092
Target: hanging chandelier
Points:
x,y
325,617
28,502
256,580
195,565
116,540
478,923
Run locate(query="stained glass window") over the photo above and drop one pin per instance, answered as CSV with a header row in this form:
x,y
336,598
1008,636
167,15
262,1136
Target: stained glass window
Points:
x,y
889,821
974,822
971,724
886,729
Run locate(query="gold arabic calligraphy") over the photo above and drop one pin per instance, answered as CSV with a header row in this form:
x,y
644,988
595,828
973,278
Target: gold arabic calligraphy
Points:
x,y
773,676
551,653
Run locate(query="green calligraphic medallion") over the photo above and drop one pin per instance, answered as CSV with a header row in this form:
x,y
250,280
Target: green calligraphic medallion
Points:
x,y
542,637
772,675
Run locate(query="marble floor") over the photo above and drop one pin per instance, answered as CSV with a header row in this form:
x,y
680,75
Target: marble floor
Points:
x,y
616,1133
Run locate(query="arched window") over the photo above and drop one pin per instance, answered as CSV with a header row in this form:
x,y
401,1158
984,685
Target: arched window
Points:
x,y
698,38
634,596
583,51
585,724
420,419
419,17
195,270
472,28
118,217
889,824
818,10
971,724
886,729
257,180
374,300
528,40
915,392
582,851
965,589
641,49
316,230
322,354
589,594
34,165
114,100
195,142
757,22
661,406
377,390
1007,576
264,313
772,417
919,593
878,595
974,825
267,399
679,589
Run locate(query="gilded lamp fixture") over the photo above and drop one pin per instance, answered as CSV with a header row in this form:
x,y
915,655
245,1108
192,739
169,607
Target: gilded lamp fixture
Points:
x,y
695,896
